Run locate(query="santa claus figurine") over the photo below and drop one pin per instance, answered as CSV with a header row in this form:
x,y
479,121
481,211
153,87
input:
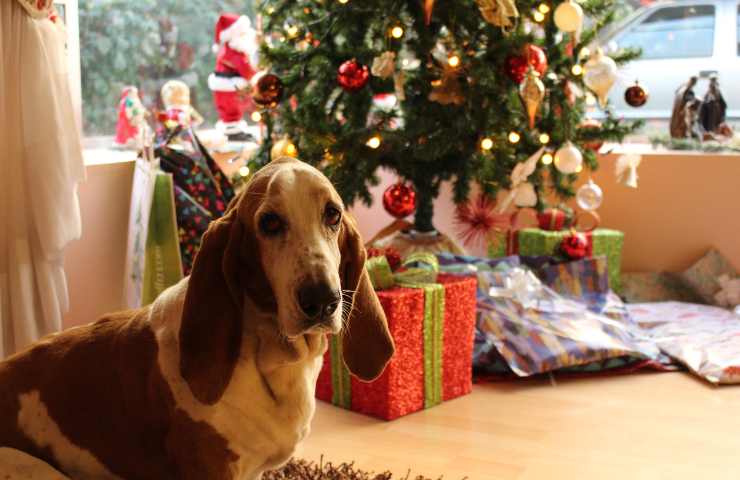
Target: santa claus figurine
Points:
x,y
131,117
237,45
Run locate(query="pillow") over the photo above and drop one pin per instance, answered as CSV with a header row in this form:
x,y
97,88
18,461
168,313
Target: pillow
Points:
x,y
703,276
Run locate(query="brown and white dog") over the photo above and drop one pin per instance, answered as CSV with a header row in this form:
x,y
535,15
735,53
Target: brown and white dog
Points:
x,y
216,379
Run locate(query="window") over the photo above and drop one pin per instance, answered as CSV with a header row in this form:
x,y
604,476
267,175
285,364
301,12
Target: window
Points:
x,y
673,32
737,29
67,11
144,44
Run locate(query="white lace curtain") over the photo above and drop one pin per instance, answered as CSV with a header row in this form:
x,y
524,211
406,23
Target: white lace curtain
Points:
x,y
40,166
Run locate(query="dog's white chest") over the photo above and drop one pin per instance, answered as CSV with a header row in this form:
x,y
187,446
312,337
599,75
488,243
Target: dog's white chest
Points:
x,y
265,430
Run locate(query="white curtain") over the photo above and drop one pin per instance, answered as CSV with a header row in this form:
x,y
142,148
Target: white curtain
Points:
x,y
40,166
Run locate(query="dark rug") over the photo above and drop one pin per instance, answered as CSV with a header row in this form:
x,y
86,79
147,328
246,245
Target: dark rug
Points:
x,y
298,469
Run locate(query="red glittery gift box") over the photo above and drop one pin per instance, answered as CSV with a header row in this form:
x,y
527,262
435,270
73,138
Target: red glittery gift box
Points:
x,y
401,390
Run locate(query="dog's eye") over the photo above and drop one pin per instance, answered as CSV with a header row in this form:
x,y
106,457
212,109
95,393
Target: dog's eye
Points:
x,y
271,224
332,216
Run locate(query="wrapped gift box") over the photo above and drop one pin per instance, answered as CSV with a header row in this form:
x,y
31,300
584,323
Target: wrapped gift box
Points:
x,y
434,351
536,242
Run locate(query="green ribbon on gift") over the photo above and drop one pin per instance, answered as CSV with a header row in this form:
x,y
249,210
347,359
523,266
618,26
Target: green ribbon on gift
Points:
x,y
420,272
341,391
420,267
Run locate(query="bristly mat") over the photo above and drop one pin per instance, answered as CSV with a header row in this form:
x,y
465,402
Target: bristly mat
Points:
x,y
298,469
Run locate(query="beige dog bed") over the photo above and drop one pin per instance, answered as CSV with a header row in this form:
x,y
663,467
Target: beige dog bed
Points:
x,y
15,465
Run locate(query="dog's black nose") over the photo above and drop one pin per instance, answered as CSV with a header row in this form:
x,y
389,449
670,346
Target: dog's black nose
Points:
x,y
318,300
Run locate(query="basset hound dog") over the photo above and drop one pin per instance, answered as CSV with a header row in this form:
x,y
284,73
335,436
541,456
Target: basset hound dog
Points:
x,y
215,379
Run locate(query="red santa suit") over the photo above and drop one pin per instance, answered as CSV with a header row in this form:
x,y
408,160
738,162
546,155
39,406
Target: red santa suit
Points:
x,y
237,51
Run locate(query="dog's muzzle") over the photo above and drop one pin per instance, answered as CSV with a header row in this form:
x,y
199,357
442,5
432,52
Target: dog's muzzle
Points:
x,y
318,301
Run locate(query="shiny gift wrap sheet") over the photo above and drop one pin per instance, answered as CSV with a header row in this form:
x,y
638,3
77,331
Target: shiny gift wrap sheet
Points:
x,y
704,338
541,331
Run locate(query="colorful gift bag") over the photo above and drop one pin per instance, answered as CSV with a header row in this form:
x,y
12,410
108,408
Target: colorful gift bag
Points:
x,y
432,327
704,338
192,223
152,255
202,189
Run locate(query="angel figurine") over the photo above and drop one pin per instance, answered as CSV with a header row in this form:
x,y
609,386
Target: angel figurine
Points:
x,y
131,117
177,108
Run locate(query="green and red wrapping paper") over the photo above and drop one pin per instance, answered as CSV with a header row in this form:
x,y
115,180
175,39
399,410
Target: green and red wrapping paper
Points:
x,y
433,327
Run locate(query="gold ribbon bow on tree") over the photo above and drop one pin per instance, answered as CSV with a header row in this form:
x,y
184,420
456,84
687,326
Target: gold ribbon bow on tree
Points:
x,y
499,12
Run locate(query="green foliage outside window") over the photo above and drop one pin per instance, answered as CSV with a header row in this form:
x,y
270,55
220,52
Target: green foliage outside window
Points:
x,y
145,43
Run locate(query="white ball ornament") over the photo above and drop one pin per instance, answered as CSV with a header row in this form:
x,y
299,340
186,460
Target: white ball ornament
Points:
x,y
589,196
568,159
599,75
569,16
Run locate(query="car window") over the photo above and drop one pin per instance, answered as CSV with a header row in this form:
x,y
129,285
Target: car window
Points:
x,y
673,32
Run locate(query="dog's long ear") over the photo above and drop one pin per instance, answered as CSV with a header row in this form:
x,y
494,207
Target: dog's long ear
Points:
x,y
211,329
366,341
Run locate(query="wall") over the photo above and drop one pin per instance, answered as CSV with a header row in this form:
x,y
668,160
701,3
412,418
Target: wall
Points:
x,y
95,263
684,204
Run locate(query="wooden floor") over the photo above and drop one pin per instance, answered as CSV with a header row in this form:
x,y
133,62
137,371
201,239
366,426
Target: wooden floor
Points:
x,y
646,426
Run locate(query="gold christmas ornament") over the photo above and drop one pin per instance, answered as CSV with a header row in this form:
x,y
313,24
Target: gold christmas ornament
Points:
x,y
532,92
568,159
384,65
569,17
599,75
499,12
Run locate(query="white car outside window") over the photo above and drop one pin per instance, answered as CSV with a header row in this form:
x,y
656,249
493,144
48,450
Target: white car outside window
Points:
x,y
679,39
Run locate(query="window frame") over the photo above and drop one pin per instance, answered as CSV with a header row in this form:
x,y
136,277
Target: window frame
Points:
x,y
72,26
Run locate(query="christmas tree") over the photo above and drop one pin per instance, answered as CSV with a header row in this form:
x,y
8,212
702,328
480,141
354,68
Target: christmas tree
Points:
x,y
479,87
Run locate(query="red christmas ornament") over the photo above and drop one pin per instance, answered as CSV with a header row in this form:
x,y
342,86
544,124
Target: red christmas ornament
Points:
x,y
517,65
400,200
636,96
593,145
554,219
574,246
352,76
